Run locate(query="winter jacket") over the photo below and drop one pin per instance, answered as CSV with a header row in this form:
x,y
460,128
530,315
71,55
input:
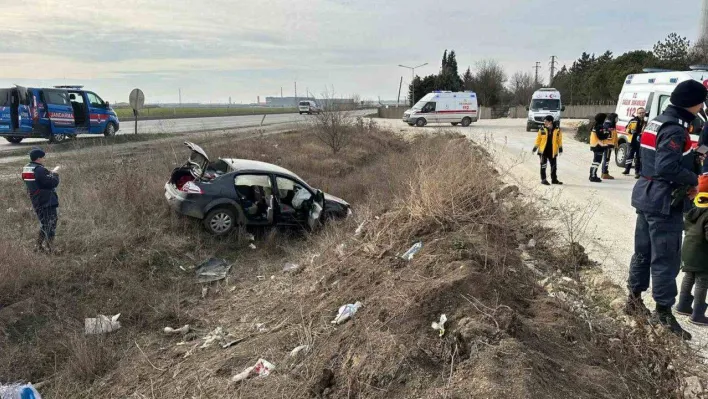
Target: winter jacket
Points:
x,y
612,139
542,141
598,138
694,253
668,162
41,185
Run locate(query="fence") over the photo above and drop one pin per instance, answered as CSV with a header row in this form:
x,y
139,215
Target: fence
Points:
x,y
571,111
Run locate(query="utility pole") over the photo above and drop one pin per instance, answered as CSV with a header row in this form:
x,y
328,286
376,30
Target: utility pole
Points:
x,y
553,69
413,79
281,91
400,85
295,90
537,67
180,97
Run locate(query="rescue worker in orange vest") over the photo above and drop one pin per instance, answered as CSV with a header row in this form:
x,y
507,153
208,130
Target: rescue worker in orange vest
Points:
x,y
598,145
41,186
610,125
549,144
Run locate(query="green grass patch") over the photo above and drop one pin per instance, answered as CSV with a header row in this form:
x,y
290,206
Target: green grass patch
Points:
x,y
198,112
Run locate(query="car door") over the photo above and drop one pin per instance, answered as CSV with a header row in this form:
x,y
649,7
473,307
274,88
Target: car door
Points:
x,y
59,110
98,113
293,202
254,192
429,111
24,111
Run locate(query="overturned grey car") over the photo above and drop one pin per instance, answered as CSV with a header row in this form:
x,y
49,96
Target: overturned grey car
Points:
x,y
230,192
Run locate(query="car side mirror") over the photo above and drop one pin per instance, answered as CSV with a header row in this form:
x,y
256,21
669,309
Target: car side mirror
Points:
x,y
108,105
527,108
319,196
563,108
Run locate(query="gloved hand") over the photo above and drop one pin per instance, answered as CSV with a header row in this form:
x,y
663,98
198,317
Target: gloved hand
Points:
x,y
534,150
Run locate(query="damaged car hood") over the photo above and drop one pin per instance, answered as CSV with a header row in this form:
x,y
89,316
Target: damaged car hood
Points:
x,y
332,198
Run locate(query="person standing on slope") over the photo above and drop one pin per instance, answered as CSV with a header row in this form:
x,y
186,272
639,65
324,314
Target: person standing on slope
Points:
x,y
598,138
661,196
549,144
635,127
610,126
41,186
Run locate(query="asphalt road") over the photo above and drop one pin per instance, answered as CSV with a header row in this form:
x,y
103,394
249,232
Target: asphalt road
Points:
x,y
188,125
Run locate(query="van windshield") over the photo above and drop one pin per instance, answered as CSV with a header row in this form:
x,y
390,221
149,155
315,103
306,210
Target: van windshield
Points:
x,y
304,103
546,105
420,104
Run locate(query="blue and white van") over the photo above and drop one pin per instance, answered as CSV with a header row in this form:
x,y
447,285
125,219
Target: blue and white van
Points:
x,y
55,113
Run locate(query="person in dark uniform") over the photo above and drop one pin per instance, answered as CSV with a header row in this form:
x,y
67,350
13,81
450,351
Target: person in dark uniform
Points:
x,y
703,140
549,144
635,127
41,186
598,146
661,196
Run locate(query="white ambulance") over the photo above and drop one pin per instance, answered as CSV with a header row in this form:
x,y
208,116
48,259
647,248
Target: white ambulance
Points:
x,y
456,108
544,102
652,90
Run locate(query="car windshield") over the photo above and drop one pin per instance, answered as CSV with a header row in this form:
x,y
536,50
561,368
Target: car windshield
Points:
x,y
545,104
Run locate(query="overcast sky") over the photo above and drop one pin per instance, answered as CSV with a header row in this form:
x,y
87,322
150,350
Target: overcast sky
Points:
x,y
216,49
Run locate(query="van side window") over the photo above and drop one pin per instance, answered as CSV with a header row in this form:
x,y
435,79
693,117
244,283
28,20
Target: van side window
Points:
x,y
95,100
56,97
429,107
663,103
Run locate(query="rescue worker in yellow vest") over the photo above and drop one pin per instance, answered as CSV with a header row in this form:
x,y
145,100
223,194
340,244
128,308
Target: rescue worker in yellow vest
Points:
x,y
610,125
635,127
549,144
598,145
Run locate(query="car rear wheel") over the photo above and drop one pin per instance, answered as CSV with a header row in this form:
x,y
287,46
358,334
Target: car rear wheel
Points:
x,y
621,155
57,138
14,140
220,221
466,121
110,130
421,122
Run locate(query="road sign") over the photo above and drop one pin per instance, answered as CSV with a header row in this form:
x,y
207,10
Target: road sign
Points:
x,y
137,99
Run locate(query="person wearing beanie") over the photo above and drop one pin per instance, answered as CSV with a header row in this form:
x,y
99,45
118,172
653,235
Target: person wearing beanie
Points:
x,y
41,187
549,144
694,255
635,127
598,145
659,197
610,125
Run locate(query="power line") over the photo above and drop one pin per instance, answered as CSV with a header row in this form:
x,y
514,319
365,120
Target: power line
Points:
x,y
537,67
553,69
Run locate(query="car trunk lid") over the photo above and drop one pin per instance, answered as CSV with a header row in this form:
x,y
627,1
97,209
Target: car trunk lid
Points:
x,y
198,160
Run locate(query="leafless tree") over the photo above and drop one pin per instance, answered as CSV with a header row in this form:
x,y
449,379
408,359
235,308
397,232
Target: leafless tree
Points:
x,y
522,87
489,82
333,126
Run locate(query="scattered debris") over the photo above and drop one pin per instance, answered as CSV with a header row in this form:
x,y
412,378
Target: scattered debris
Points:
x,y
291,268
101,324
11,210
346,312
205,291
296,351
531,266
250,237
531,244
231,343
261,327
252,246
340,250
509,191
217,335
408,256
183,330
260,278
359,229
19,391
262,368
212,270
440,325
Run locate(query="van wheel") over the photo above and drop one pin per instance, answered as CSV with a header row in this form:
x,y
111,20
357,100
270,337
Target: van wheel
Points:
x,y
57,138
14,140
220,221
421,122
621,155
528,127
110,130
466,121
454,123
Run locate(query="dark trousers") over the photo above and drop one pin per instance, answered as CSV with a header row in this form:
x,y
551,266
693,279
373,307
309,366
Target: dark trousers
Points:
x,y
700,282
657,255
606,160
48,218
554,166
596,160
633,159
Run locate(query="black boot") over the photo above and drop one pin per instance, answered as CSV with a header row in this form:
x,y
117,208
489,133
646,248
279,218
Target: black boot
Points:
x,y
635,306
664,317
683,307
626,171
699,315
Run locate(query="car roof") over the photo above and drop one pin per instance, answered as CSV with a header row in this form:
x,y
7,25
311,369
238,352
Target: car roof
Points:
x,y
240,165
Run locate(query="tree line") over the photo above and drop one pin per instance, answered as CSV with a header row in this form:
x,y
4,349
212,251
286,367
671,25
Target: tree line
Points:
x,y
591,79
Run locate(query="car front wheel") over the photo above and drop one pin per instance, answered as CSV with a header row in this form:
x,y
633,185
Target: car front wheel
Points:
x,y
110,130
621,155
220,221
421,122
